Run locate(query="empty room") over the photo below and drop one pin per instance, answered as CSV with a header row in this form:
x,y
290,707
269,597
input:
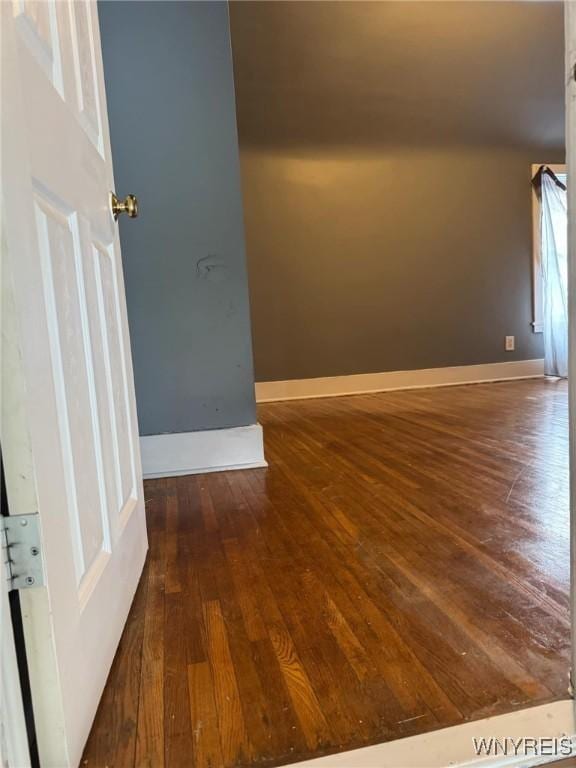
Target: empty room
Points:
x,y
285,383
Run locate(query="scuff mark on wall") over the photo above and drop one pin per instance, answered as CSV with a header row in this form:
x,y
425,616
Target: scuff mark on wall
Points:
x,y
211,268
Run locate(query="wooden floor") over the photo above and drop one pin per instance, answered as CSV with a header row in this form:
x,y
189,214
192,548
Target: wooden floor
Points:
x,y
401,566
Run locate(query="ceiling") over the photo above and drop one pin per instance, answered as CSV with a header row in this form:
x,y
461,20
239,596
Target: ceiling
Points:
x,y
355,72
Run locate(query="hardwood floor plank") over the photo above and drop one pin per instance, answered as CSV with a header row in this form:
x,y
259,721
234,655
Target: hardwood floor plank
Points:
x,y
233,738
173,547
204,717
178,745
150,729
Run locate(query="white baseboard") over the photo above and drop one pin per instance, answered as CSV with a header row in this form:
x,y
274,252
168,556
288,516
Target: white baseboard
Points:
x,y
454,746
364,383
191,453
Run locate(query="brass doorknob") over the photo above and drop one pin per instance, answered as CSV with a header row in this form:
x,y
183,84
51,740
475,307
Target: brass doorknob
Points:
x,y
129,205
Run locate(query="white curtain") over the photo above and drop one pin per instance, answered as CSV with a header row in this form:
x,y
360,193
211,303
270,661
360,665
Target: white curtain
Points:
x,y
554,229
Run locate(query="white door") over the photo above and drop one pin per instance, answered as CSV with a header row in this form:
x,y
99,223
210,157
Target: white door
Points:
x,y
74,457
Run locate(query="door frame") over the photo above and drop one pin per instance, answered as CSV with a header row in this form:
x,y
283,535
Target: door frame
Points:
x,y
14,736
14,749
570,79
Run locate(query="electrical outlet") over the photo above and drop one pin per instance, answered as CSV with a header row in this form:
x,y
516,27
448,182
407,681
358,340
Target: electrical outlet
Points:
x,y
509,343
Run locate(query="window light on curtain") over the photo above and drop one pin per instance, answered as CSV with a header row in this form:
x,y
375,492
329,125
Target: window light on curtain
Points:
x,y
554,234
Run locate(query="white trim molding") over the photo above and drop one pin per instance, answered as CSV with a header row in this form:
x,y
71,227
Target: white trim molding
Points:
x,y
366,383
551,724
191,453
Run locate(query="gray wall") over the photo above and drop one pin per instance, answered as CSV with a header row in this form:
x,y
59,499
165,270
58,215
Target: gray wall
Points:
x,y
386,151
170,92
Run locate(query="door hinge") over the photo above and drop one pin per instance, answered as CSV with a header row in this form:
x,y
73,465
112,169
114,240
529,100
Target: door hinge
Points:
x,y
21,552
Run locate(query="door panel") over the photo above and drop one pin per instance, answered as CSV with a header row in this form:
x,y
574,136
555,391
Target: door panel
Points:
x,y
85,72
78,399
38,28
62,275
